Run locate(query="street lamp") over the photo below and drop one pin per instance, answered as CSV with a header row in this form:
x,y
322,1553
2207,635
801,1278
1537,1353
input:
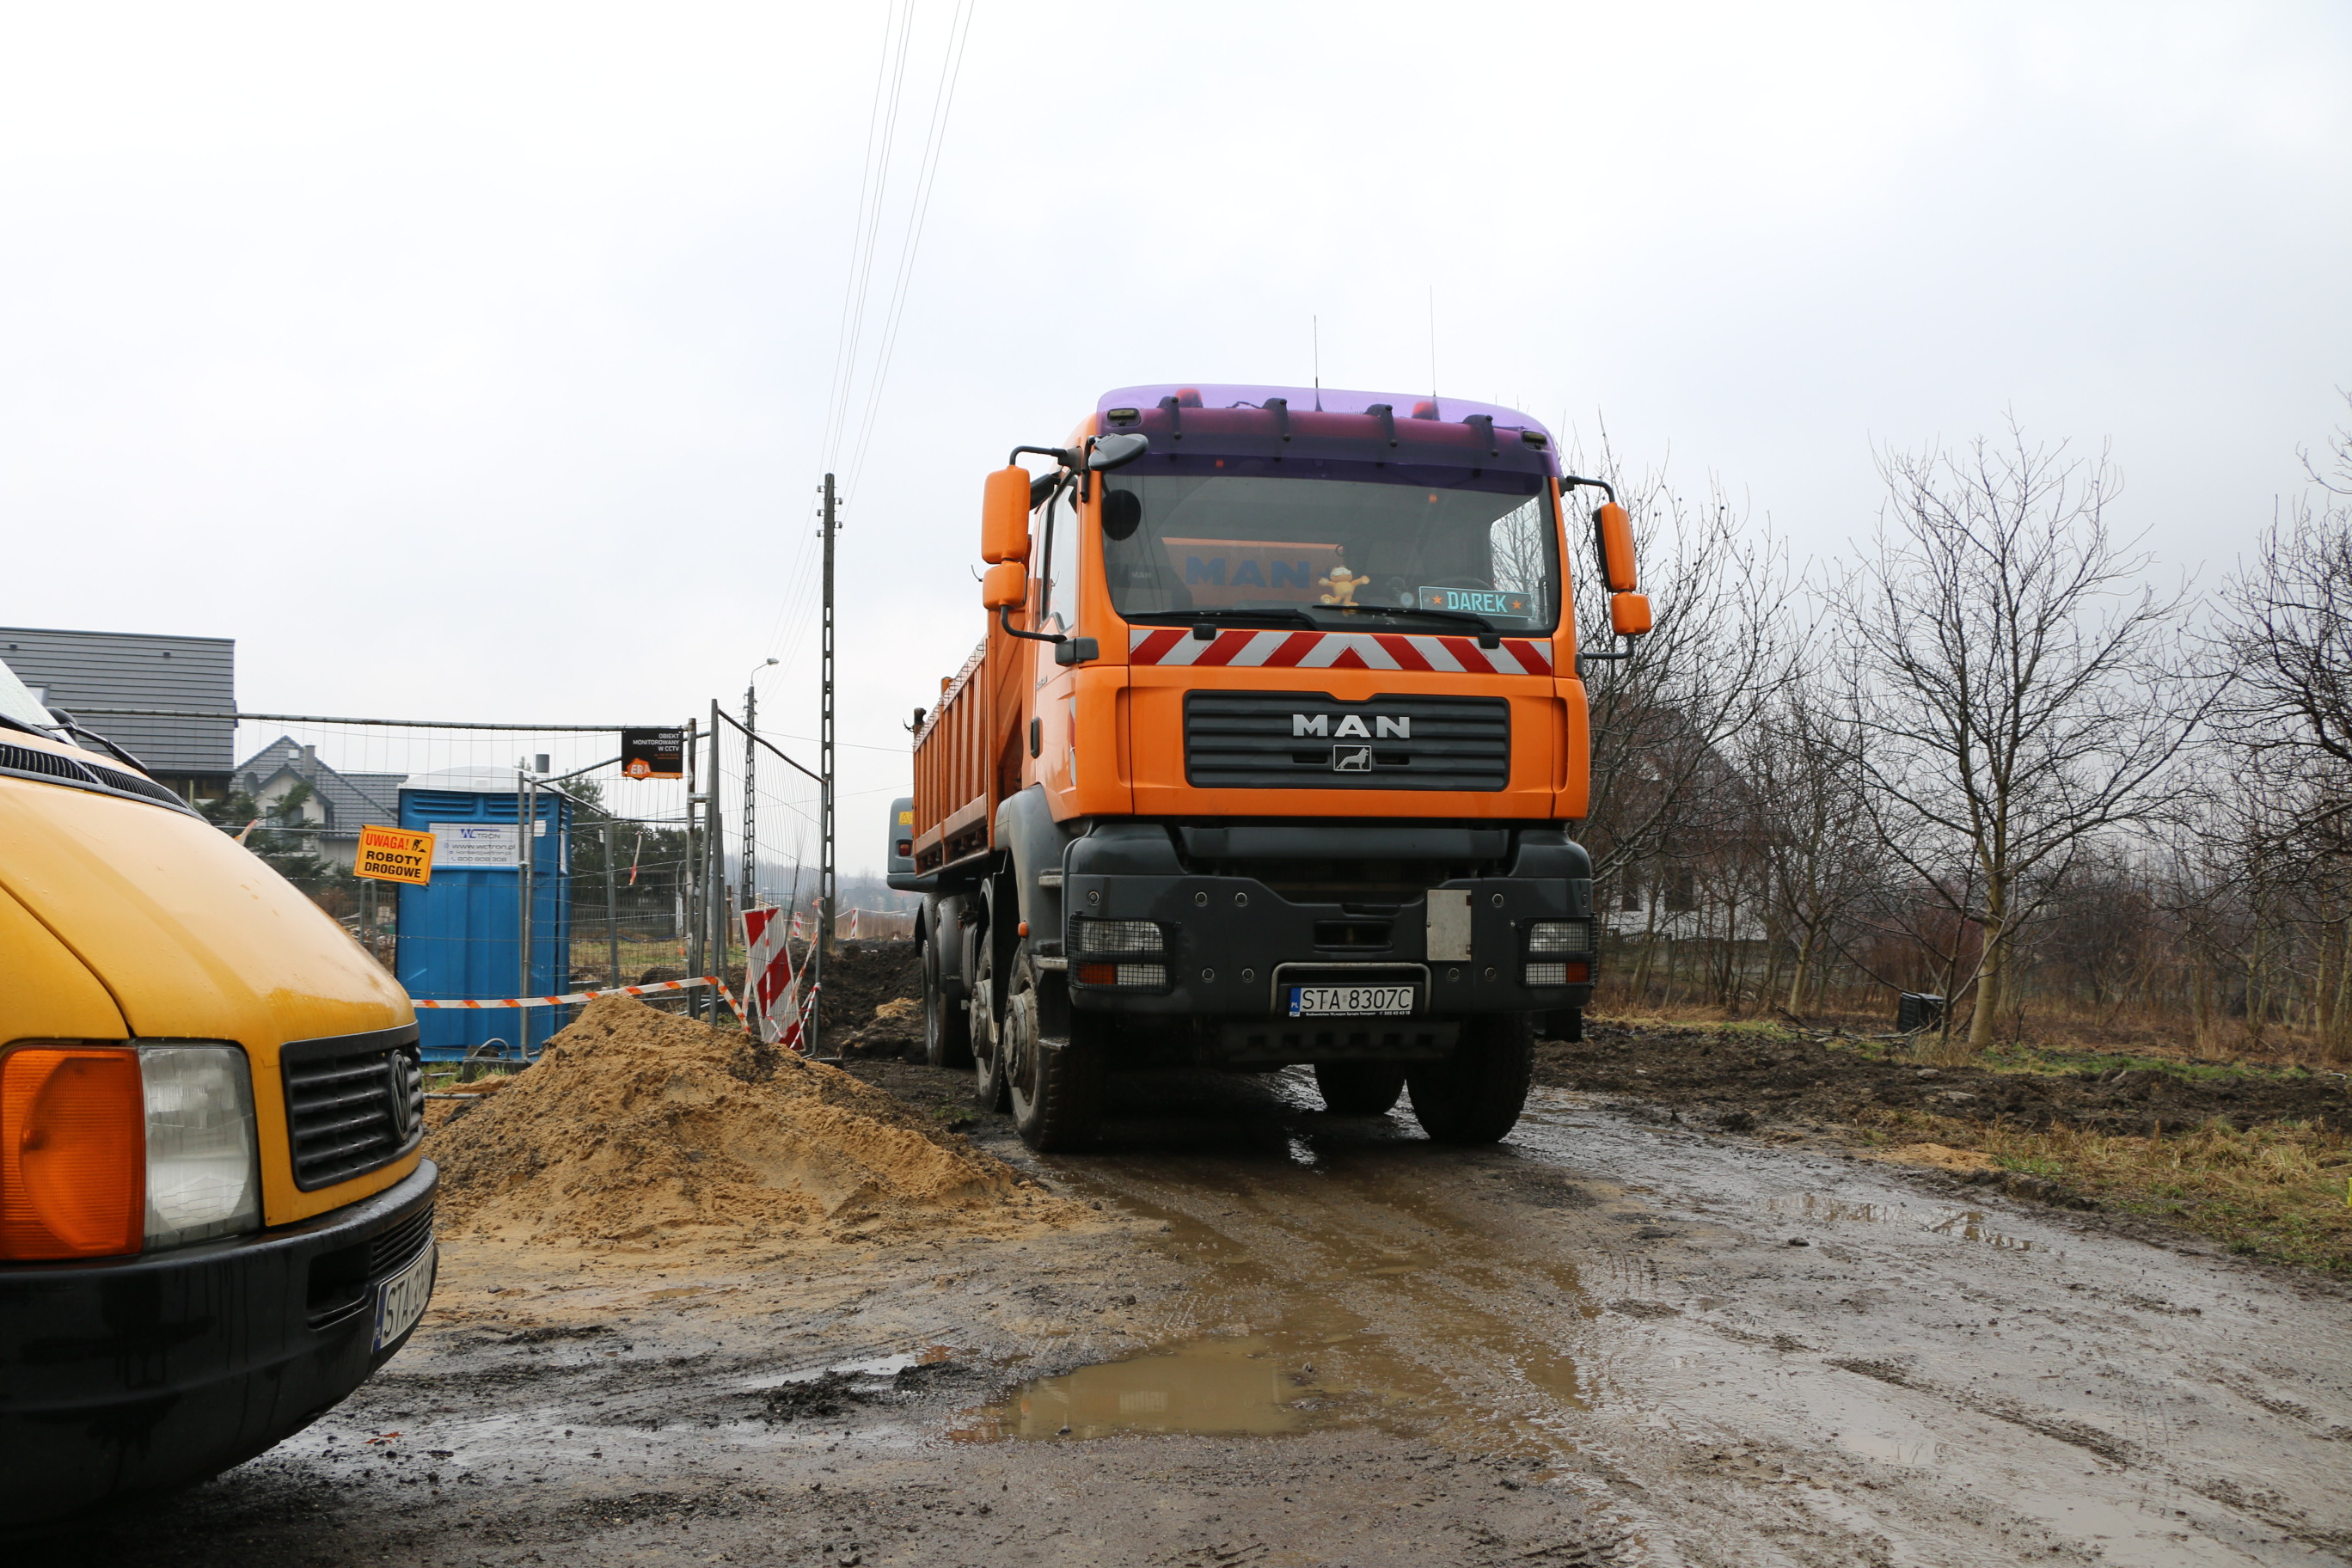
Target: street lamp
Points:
x,y
750,769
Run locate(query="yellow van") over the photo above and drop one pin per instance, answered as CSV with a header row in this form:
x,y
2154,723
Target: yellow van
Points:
x,y
215,1220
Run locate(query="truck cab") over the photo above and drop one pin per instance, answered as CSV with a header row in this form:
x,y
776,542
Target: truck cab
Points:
x,y
216,1219
1268,757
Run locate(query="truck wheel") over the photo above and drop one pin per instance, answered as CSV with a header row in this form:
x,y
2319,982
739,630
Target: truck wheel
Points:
x,y
1360,1089
947,1034
987,1039
1053,1062
1475,1095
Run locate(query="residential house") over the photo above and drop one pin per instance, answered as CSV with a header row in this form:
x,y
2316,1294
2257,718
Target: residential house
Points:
x,y
334,806
87,673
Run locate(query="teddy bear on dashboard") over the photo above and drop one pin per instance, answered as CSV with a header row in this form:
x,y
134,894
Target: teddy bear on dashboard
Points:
x,y
1343,584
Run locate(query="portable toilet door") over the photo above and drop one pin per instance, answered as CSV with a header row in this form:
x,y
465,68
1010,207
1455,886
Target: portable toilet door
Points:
x,y
460,936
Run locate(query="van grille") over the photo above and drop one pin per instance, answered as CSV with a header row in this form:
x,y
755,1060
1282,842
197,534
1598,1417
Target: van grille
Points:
x,y
1253,740
393,1247
352,1104
24,762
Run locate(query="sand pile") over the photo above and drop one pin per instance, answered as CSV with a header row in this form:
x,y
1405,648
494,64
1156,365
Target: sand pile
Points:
x,y
638,1125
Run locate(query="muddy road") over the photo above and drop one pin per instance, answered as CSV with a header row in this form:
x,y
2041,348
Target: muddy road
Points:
x,y
1292,1338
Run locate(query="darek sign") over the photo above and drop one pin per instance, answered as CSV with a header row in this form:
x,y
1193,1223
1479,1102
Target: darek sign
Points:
x,y
395,855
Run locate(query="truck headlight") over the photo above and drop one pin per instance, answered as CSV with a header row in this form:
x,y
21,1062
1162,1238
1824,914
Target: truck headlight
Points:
x,y
1119,937
1560,936
200,1180
108,1149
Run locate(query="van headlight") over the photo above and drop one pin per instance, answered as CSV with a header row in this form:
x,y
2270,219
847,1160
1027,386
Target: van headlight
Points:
x,y
109,1150
202,1180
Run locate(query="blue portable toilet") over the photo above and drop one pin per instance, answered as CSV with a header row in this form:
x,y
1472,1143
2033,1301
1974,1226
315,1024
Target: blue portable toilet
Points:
x,y
460,935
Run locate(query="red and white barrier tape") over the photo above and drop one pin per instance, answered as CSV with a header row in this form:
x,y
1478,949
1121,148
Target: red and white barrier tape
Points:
x,y
591,995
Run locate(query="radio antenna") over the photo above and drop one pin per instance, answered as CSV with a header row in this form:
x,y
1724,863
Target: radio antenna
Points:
x,y
1317,329
1432,347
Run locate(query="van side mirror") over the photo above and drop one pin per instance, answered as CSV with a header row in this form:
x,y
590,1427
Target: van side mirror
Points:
x,y
1006,586
1612,537
1005,519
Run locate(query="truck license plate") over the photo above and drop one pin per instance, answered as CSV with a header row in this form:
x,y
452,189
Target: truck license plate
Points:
x,y
400,1300
1351,1001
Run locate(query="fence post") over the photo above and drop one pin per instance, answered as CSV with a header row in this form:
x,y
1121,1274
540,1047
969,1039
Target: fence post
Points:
x,y
612,901
691,870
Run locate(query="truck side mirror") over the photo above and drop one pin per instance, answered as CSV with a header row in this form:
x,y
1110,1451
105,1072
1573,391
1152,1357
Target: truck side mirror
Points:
x,y
1629,614
1006,586
1612,536
1005,519
1110,452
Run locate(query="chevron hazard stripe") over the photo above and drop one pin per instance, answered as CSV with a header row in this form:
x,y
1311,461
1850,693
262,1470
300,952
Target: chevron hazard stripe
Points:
x,y
1337,650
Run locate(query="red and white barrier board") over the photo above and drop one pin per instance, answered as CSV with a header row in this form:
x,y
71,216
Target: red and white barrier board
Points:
x,y
1337,650
770,988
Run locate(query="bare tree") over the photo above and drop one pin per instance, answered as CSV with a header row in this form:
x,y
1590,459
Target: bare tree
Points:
x,y
2288,626
1663,719
2011,676
1825,856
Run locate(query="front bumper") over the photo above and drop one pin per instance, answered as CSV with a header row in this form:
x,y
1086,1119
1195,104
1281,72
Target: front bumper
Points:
x,y
1233,942
138,1374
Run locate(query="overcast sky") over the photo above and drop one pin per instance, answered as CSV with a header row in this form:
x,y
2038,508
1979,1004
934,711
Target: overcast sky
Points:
x,y
476,362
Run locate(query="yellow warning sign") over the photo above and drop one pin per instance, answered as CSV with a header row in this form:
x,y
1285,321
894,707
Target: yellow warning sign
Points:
x,y
395,855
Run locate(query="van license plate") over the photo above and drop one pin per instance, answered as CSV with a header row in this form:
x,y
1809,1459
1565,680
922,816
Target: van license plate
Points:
x,y
1351,1001
400,1300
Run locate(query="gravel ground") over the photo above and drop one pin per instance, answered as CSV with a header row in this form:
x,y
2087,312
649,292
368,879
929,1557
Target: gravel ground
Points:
x,y
1616,1338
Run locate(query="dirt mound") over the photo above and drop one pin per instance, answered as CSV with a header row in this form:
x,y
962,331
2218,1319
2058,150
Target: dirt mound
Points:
x,y
639,1125
1747,1078
863,975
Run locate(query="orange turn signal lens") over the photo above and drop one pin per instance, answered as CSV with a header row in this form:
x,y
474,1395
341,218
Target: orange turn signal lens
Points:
x,y
73,1152
1097,973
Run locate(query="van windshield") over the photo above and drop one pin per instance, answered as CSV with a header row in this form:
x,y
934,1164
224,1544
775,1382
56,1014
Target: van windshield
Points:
x,y
16,702
1418,547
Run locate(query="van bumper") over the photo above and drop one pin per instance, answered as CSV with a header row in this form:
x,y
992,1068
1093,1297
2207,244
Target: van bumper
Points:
x,y
142,1374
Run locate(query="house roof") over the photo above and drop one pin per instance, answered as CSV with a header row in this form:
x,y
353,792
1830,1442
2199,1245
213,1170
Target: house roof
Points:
x,y
351,800
81,670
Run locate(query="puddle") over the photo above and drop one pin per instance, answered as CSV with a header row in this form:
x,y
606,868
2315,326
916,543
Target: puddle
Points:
x,y
1229,1387
1967,1224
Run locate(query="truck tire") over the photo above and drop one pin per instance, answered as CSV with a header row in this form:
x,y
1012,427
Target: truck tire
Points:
x,y
1475,1095
1053,1062
987,1039
947,1033
1360,1089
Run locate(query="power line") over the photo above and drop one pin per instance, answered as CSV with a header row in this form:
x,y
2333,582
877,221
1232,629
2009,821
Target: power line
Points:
x,y
926,178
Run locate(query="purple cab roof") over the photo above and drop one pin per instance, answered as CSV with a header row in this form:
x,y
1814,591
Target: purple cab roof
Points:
x,y
1328,400
1279,424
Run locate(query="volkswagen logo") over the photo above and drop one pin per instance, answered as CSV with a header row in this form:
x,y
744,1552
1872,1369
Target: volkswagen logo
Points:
x,y
395,1083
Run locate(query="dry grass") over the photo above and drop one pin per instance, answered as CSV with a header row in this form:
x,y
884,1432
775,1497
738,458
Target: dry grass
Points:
x,y
2282,1192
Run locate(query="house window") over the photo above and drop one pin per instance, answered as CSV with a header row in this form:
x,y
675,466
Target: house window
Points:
x,y
1630,899
1680,891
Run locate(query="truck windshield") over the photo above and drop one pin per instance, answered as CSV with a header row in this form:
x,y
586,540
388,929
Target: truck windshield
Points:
x,y
1335,539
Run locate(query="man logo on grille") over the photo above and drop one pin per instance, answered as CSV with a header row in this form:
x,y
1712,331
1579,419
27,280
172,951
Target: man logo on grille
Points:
x,y
1351,759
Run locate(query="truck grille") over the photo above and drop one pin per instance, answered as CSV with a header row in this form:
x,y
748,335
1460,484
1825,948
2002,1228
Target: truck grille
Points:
x,y
1273,740
352,1104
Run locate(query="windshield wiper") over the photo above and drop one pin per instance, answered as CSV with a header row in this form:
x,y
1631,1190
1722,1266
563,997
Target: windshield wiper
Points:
x,y
1204,617
1486,627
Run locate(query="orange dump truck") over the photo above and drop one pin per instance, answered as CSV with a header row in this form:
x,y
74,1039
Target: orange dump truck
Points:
x,y
1266,759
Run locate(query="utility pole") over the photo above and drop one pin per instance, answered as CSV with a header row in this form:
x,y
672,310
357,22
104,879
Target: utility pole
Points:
x,y
825,762
716,876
